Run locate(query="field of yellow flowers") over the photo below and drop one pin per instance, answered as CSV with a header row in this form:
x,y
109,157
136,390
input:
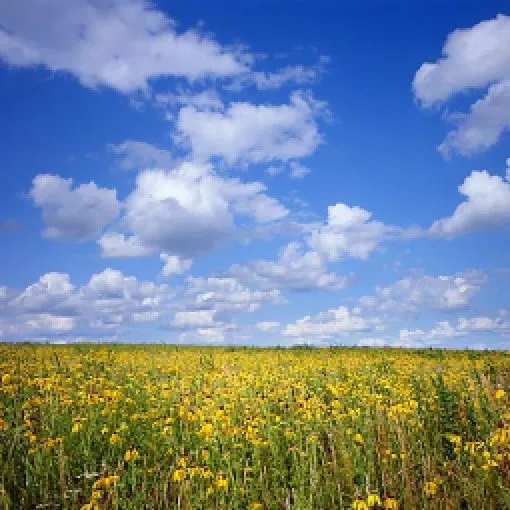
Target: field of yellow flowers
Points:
x,y
148,427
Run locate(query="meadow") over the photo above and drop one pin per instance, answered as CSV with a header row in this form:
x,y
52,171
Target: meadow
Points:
x,y
148,427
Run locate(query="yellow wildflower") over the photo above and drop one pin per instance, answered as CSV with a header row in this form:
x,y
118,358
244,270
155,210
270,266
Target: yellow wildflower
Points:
x,y
373,500
430,488
131,454
390,504
359,504
358,439
179,475
114,438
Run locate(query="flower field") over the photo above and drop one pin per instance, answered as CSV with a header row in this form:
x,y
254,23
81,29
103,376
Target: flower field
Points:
x,y
135,427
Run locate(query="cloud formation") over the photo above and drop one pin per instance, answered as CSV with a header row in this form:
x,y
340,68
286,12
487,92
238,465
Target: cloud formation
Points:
x,y
487,205
73,213
348,231
246,133
474,59
118,44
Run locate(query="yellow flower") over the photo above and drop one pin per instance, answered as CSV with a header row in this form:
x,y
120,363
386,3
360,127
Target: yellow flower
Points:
x,y
359,504
114,438
373,500
430,488
256,506
222,483
105,483
358,439
206,473
390,504
500,393
104,430
179,475
131,454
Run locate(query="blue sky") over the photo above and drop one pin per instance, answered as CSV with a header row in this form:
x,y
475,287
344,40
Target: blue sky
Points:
x,y
255,173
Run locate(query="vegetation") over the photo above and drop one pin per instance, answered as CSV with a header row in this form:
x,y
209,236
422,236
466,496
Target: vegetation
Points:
x,y
134,427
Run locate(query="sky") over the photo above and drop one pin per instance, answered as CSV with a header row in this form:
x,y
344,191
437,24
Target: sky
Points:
x,y
255,173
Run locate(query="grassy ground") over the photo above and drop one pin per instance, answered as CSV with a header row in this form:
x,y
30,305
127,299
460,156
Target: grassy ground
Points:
x,y
99,427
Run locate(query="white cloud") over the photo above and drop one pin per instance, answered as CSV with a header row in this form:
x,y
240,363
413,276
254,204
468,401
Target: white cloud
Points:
x,y
372,342
473,59
262,208
294,269
173,264
118,44
421,338
487,205
214,334
248,133
194,319
51,290
228,294
190,209
443,330
496,325
483,126
201,326
68,213
267,325
111,299
412,294
108,301
331,324
297,170
349,231
48,323
136,155
114,244
205,100
292,74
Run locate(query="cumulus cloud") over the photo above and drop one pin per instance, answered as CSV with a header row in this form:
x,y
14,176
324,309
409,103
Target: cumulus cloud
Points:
x,y
476,58
73,213
267,325
136,155
249,133
411,294
49,291
348,231
119,44
108,301
115,244
487,205
190,209
199,326
331,324
228,294
294,269
421,338
194,318
173,264
464,328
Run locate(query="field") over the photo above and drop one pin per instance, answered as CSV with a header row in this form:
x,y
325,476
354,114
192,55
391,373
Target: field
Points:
x,y
100,427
